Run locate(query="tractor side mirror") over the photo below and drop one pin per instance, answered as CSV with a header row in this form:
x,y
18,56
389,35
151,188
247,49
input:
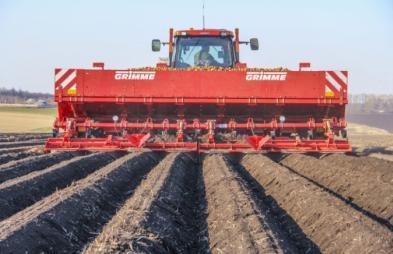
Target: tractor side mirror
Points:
x,y
254,44
156,45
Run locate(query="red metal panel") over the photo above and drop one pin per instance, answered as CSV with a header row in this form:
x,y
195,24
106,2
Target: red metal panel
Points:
x,y
300,95
199,84
268,145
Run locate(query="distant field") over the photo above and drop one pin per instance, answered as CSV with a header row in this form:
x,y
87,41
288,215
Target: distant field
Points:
x,y
378,120
20,119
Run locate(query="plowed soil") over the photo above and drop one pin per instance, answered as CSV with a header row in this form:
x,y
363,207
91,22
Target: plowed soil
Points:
x,y
31,142
234,222
169,203
360,181
159,216
328,221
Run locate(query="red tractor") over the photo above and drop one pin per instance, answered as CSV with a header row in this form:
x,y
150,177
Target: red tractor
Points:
x,y
202,99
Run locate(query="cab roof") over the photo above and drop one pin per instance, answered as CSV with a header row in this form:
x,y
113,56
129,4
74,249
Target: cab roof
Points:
x,y
204,32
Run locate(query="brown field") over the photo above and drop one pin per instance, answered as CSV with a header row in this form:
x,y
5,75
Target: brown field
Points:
x,y
371,141
26,119
70,202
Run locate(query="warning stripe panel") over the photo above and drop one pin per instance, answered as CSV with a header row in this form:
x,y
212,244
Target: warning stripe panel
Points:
x,y
332,81
60,74
336,82
65,78
71,79
343,75
340,78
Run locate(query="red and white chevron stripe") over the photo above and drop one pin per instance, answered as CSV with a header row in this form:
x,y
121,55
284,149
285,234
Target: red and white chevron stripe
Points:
x,y
337,82
65,78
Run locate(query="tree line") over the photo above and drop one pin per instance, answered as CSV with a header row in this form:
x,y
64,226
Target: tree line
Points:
x,y
14,96
370,103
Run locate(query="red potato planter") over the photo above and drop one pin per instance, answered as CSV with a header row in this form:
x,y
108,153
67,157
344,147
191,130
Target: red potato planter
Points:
x,y
203,99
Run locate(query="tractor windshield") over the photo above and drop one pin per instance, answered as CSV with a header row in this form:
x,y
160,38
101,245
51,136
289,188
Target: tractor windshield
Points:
x,y
204,52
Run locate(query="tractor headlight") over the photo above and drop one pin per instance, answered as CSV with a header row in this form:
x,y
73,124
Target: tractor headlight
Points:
x,y
282,119
115,118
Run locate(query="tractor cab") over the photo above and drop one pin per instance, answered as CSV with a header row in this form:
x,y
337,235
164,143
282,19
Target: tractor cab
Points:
x,y
202,51
203,48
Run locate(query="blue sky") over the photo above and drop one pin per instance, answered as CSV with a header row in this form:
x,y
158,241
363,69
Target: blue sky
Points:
x,y
37,36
